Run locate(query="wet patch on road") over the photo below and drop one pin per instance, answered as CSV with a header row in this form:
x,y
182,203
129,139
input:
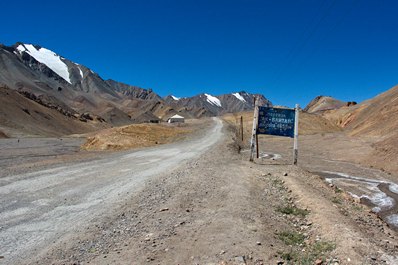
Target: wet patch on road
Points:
x,y
271,156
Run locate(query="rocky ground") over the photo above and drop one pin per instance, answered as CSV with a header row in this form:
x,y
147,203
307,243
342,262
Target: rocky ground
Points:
x,y
20,155
27,154
221,209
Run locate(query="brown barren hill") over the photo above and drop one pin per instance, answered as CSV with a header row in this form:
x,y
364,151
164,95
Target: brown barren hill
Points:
x,y
375,119
135,136
378,118
21,115
323,103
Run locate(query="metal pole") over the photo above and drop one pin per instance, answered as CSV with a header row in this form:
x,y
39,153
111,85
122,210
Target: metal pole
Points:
x,y
295,146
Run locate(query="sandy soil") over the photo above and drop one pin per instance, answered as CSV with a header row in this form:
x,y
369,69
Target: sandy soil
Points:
x,y
140,135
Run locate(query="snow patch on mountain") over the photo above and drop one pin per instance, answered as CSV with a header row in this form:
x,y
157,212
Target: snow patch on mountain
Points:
x,y
81,72
213,100
238,96
21,48
47,57
175,98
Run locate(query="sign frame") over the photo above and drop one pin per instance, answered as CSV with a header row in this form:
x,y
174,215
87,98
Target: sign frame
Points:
x,y
255,132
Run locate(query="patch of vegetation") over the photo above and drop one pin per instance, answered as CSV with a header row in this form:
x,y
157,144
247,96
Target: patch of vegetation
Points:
x,y
92,250
291,238
277,182
293,211
336,200
319,250
290,256
337,190
322,247
357,207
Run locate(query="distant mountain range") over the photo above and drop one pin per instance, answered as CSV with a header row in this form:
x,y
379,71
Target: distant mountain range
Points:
x,y
77,92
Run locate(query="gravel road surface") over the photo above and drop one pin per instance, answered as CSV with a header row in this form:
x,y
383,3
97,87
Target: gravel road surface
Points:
x,y
39,208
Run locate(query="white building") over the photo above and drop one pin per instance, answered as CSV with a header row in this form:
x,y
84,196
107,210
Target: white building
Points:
x,y
176,118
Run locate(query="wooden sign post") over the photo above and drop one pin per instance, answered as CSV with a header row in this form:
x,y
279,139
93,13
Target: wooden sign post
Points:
x,y
241,128
254,130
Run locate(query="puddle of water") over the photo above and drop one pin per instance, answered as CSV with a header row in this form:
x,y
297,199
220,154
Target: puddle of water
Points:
x,y
379,194
393,219
271,156
393,188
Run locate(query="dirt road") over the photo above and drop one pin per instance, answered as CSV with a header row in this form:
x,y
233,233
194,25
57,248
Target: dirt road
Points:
x,y
40,208
195,202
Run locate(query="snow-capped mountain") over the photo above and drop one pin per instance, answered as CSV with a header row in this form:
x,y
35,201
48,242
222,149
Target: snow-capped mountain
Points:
x,y
54,81
67,85
209,105
48,58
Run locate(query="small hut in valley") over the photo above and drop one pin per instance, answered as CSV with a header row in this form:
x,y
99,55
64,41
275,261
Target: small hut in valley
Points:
x,y
176,118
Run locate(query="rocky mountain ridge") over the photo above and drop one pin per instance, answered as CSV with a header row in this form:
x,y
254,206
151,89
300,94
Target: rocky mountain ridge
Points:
x,y
72,88
324,103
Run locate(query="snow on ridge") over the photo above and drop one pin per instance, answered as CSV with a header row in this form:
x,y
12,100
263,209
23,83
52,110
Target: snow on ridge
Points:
x,y
175,98
238,96
81,72
213,100
21,48
49,58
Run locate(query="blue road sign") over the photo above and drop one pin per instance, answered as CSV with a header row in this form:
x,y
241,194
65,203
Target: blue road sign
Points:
x,y
276,121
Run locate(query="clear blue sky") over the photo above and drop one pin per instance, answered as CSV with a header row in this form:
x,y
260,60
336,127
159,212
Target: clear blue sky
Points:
x,y
290,51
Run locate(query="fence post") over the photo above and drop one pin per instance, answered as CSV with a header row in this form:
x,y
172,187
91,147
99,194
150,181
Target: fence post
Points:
x,y
254,130
241,127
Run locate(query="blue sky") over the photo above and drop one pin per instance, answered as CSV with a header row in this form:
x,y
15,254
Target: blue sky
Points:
x,y
290,51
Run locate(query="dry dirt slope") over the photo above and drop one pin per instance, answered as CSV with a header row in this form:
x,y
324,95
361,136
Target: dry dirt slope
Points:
x,y
141,135
375,118
19,115
322,103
